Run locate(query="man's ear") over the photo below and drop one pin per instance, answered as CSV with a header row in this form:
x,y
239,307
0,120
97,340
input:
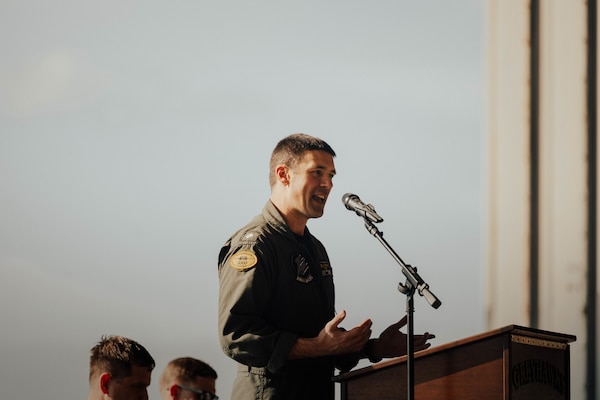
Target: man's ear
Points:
x,y
174,390
282,173
104,382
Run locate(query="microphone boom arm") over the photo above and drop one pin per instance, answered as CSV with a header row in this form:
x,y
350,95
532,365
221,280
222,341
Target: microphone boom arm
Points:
x,y
412,277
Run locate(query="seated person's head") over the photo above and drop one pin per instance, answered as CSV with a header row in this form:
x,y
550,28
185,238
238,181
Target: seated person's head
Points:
x,y
188,378
120,368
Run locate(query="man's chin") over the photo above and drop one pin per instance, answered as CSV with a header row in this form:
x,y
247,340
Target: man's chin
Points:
x,y
317,214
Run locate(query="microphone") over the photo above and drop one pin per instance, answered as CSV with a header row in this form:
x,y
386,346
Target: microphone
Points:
x,y
367,211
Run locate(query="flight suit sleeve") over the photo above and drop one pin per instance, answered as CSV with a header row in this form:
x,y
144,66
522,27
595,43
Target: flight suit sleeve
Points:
x,y
246,276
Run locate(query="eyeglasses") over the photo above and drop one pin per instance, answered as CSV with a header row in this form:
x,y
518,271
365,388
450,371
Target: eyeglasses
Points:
x,y
201,394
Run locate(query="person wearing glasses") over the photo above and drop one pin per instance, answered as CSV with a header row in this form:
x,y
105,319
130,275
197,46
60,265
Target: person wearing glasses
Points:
x,y
276,308
120,369
188,378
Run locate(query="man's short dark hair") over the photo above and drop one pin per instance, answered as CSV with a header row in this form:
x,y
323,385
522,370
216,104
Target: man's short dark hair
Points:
x,y
291,148
186,370
116,355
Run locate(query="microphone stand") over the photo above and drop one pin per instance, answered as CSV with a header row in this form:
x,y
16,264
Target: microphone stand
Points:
x,y
413,283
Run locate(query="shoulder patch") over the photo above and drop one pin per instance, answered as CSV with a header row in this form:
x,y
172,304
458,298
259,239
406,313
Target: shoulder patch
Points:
x,y
325,268
243,260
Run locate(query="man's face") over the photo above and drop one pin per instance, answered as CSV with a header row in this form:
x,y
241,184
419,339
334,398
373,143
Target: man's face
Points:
x,y
310,183
133,387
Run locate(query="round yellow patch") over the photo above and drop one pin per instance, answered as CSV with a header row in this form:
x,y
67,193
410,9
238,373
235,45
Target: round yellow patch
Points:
x,y
243,260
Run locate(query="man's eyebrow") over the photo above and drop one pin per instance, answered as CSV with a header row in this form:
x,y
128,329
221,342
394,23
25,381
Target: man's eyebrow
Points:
x,y
324,167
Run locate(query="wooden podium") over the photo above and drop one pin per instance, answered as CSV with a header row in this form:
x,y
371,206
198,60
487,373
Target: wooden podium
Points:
x,y
510,363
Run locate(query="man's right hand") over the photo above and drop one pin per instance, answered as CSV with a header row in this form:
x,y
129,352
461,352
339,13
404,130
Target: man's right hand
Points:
x,y
333,340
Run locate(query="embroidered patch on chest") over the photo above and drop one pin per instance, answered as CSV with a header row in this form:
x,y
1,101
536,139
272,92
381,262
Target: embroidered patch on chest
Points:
x,y
243,260
302,269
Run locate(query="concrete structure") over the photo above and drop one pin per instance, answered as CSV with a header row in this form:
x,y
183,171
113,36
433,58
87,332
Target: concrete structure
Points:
x,y
541,232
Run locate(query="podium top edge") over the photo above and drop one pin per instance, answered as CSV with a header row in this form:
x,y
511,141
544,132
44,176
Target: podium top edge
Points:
x,y
503,331
539,333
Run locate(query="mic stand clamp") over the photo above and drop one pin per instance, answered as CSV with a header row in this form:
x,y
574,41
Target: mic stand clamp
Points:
x,y
412,284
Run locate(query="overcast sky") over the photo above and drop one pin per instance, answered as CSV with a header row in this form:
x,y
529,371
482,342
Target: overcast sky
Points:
x,y
135,138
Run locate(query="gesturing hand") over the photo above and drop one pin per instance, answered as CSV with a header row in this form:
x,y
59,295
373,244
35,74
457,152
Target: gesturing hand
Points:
x,y
333,340
340,341
392,342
